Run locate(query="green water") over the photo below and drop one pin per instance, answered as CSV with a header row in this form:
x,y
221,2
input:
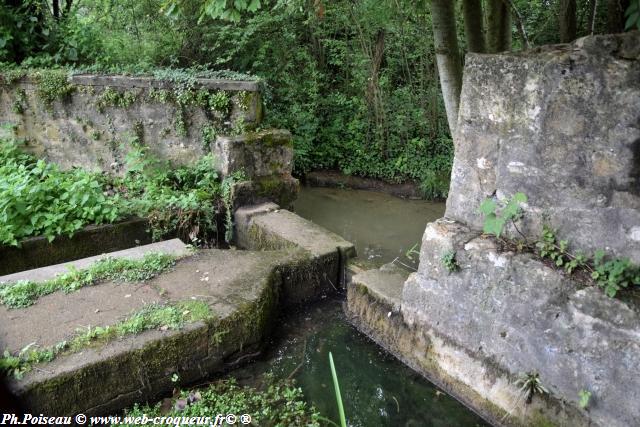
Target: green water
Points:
x,y
377,389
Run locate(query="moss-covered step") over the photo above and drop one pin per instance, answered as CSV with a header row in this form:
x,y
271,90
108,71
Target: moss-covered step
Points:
x,y
100,348
320,269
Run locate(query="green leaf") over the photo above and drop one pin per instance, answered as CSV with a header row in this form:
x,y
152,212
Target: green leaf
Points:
x,y
488,206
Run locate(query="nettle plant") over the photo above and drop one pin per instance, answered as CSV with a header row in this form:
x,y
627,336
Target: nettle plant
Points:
x,y
497,214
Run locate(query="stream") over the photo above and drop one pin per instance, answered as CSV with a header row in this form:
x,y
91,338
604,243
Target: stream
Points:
x,y
377,390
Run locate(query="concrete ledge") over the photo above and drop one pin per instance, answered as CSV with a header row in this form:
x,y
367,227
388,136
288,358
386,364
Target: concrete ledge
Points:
x,y
93,240
320,271
151,82
241,290
173,247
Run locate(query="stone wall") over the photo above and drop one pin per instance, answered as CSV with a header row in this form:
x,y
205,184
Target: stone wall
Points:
x,y
562,125
91,120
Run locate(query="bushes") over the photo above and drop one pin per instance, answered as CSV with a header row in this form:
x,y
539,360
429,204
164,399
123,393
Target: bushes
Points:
x,y
36,198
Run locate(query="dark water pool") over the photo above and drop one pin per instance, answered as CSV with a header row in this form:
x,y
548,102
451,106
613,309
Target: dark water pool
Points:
x,y
377,389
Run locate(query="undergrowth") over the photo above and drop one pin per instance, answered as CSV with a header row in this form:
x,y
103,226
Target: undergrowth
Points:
x,y
152,316
24,293
276,403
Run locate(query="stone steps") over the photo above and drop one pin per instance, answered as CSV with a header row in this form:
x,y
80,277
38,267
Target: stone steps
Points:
x,y
244,291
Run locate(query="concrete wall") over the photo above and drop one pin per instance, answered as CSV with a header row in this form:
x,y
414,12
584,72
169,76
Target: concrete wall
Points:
x,y
562,125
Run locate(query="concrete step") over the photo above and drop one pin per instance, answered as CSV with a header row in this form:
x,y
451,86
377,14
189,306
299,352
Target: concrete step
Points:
x,y
239,287
173,247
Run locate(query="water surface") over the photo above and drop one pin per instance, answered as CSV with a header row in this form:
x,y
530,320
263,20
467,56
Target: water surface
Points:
x,y
382,227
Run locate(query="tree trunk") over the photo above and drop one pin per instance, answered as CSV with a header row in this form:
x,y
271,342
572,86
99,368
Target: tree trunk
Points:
x,y
567,20
473,25
445,40
615,15
498,26
56,9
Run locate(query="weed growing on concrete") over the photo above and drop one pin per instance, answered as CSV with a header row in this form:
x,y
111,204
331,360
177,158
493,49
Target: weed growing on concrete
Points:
x,y
612,274
498,214
584,396
277,403
449,261
531,385
153,316
52,85
25,292
114,98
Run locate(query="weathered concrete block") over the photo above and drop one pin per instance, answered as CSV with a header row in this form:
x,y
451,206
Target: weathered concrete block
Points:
x,y
259,154
504,314
560,124
317,270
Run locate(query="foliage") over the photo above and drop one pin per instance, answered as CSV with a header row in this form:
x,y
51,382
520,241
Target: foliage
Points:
x,y
612,275
531,385
498,214
185,199
632,15
152,316
549,247
37,198
278,403
615,274
52,85
449,261
336,386
584,396
24,293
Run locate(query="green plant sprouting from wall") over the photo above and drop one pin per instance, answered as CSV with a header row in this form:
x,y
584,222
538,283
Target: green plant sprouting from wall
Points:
x,y
52,85
111,97
611,274
497,214
530,385
24,293
449,261
152,316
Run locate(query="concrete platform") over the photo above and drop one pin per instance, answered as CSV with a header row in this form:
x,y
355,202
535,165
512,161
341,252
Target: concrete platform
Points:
x,y
244,290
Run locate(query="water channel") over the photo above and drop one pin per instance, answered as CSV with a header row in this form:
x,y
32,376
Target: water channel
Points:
x,y
377,389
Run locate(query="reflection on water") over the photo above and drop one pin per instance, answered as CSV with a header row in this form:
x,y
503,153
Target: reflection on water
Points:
x,y
377,389
382,227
